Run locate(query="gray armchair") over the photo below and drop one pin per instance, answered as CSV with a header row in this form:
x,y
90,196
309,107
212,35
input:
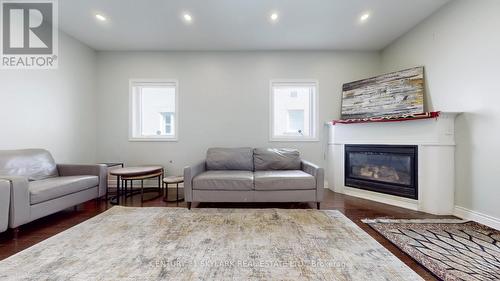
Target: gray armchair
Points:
x,y
253,175
4,204
39,187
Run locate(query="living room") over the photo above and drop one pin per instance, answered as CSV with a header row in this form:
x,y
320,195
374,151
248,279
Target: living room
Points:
x,y
223,140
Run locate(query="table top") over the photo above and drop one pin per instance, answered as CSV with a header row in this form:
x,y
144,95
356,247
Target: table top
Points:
x,y
112,164
173,179
136,171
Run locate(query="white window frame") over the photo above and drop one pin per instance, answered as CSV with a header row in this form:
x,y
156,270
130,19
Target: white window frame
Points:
x,y
135,122
315,109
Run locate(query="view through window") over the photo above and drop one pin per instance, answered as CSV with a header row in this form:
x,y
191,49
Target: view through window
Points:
x,y
293,110
153,110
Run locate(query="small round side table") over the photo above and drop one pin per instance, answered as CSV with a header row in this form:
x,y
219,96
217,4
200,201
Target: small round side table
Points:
x,y
136,173
172,180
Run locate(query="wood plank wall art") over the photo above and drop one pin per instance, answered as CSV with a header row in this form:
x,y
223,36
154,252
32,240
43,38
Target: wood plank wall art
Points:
x,y
393,94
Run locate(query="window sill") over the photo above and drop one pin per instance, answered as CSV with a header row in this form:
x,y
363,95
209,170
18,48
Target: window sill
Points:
x,y
294,140
153,139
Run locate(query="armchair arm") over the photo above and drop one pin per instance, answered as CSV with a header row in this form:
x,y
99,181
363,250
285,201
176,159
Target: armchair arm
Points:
x,y
319,174
19,200
4,204
99,170
189,173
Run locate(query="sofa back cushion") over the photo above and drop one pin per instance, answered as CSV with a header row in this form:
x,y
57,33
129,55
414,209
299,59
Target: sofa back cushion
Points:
x,y
230,159
35,164
276,159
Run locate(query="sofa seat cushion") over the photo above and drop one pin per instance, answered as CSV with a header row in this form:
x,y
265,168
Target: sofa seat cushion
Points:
x,y
283,180
52,188
224,180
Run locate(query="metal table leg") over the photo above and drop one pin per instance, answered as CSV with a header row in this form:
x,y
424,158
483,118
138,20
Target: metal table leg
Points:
x,y
177,190
118,190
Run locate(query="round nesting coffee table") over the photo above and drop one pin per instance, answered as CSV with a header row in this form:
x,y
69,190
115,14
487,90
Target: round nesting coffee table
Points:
x,y
172,180
136,173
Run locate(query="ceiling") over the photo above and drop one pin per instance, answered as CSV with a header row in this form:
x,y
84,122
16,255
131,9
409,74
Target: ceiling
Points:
x,y
241,24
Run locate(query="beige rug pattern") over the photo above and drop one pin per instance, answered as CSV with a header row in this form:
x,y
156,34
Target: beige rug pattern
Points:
x,y
127,243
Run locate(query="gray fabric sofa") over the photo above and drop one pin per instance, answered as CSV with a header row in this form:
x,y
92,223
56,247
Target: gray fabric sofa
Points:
x,y
4,204
253,175
40,187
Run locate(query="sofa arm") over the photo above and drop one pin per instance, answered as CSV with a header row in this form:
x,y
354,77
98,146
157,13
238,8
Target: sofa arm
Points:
x,y
189,173
319,174
99,170
4,204
19,200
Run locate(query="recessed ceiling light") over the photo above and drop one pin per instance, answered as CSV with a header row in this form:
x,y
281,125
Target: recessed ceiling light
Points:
x,y
187,17
100,17
364,17
274,17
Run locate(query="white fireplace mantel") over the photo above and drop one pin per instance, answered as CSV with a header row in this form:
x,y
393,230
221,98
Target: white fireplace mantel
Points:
x,y
435,139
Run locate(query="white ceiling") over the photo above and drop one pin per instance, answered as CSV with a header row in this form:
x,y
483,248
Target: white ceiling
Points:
x,y
241,24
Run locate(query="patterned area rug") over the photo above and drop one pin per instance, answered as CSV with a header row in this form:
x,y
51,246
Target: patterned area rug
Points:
x,y
209,244
451,249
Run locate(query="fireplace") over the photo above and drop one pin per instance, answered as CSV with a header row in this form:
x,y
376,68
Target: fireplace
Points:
x,y
389,169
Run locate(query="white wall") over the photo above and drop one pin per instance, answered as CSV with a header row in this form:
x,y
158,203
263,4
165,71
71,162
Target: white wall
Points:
x,y
460,48
223,99
52,109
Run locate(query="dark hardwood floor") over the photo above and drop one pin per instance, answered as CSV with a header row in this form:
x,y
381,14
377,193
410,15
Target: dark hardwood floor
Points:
x,y
354,208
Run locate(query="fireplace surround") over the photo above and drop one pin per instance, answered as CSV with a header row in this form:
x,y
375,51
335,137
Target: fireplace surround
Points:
x,y
435,180
388,169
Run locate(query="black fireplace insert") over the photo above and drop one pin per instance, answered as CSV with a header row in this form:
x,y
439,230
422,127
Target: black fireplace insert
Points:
x,y
389,169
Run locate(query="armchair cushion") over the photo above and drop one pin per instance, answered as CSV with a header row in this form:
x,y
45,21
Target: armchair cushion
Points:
x,y
284,180
34,164
276,159
230,159
224,180
48,189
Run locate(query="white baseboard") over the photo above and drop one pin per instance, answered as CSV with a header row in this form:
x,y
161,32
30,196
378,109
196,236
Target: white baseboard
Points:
x,y
467,214
326,184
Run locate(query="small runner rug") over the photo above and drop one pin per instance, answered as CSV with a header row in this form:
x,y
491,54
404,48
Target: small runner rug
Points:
x,y
451,249
209,244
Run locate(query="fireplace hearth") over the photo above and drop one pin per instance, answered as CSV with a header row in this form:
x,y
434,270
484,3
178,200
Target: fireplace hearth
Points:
x,y
388,169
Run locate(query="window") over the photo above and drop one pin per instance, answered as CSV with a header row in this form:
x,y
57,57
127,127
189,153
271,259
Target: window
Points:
x,y
294,110
153,110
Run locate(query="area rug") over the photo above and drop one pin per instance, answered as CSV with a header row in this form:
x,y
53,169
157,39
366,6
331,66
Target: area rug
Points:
x,y
209,244
451,249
